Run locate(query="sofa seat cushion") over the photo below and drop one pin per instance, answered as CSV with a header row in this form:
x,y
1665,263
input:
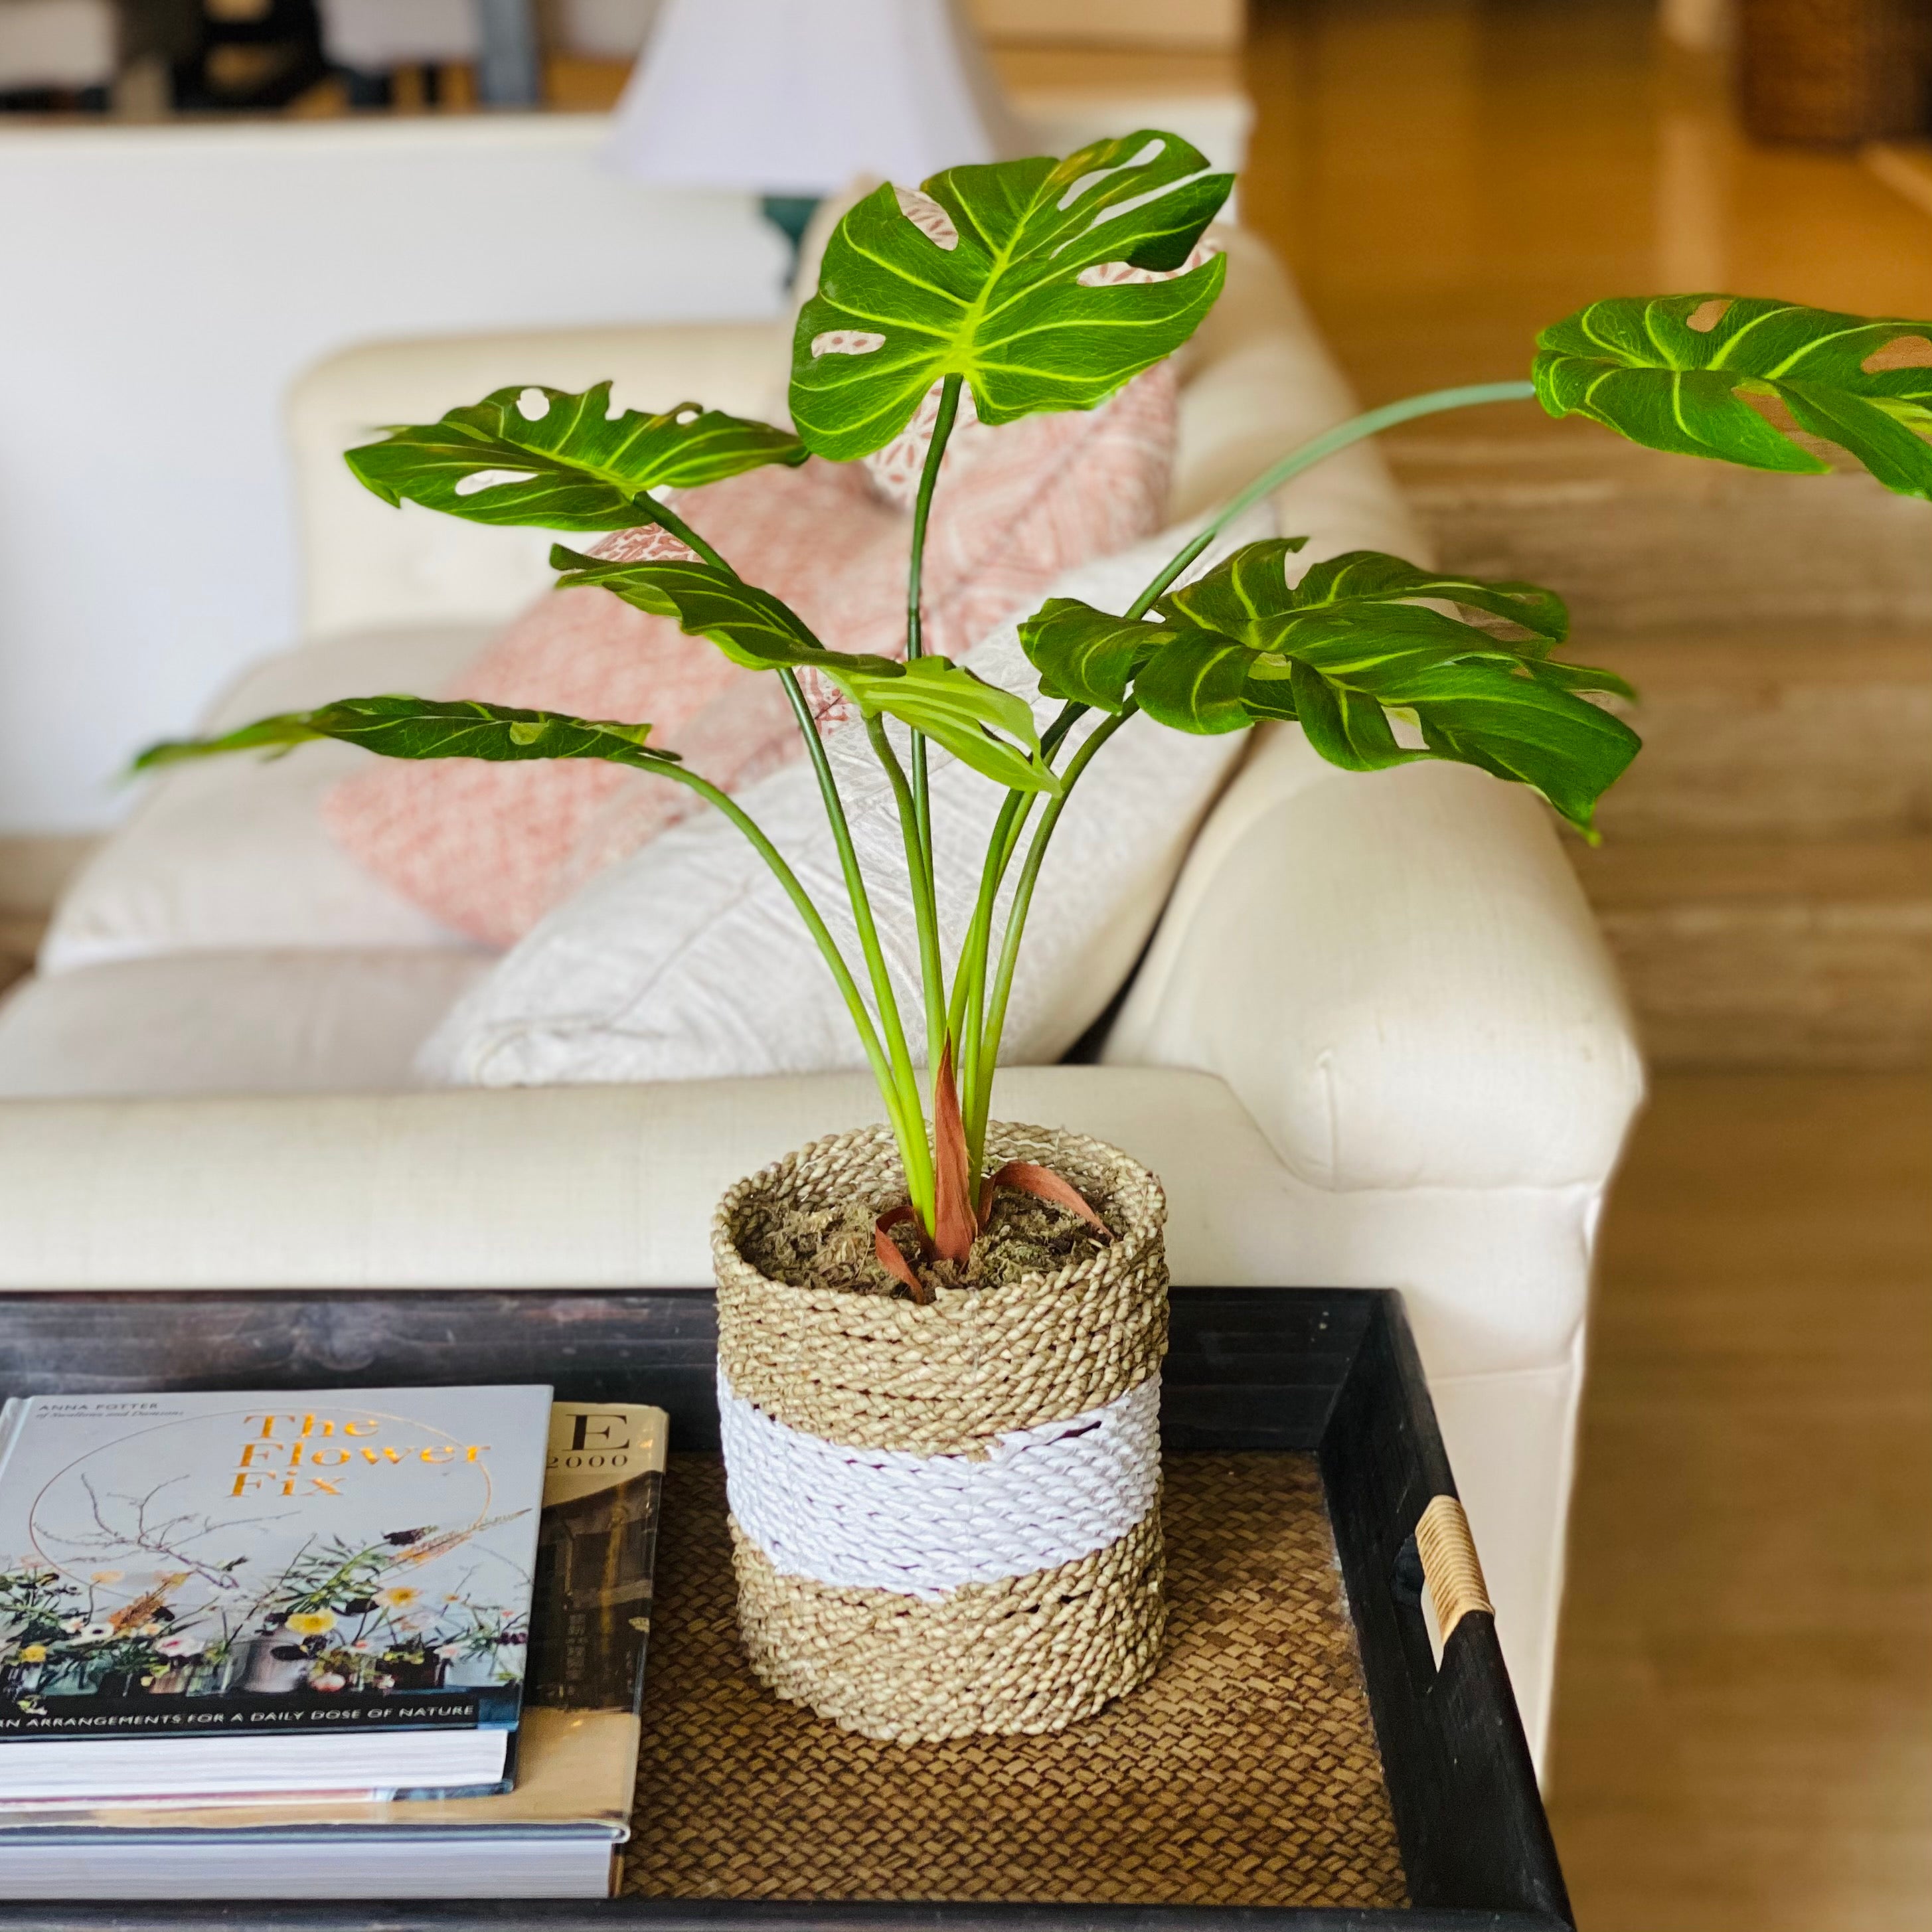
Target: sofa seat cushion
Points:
x,y
612,1186
294,1020
232,852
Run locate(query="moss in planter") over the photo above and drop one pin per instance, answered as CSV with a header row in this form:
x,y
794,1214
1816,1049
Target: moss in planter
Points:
x,y
832,1247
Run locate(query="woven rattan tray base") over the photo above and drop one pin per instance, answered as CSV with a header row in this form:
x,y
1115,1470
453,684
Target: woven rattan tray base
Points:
x,y
1245,1774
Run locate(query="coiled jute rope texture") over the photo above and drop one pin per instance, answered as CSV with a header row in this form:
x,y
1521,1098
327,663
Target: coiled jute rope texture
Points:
x,y
946,1408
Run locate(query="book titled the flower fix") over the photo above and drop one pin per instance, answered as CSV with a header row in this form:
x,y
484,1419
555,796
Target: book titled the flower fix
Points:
x,y
221,1595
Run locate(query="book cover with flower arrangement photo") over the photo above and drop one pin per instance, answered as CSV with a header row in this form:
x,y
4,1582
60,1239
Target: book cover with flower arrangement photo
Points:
x,y
233,1594
558,1834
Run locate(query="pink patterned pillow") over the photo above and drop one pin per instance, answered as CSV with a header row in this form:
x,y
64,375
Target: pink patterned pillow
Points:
x,y
488,849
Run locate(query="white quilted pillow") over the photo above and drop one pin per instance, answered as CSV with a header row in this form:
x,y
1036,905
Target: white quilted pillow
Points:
x,y
686,961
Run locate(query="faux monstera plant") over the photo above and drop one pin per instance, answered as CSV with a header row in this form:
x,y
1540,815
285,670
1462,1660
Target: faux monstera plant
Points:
x,y
1379,661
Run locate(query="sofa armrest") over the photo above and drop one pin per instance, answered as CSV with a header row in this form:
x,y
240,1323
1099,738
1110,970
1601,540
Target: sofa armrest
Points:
x,y
607,1186
1397,975
593,1186
367,566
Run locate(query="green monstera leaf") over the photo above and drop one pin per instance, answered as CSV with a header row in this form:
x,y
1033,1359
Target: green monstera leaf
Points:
x,y
428,727
532,455
957,709
1004,305
1675,372
751,626
1355,645
992,730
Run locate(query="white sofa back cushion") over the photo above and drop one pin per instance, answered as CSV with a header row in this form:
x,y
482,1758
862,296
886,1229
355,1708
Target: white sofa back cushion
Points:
x,y
293,1020
687,962
232,853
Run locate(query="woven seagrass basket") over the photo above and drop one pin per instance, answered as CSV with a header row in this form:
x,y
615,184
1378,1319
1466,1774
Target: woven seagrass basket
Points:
x,y
946,1519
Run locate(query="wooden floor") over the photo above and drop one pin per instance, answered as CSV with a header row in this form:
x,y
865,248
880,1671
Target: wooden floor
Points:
x,y
1447,176
1743,1711
1744,1708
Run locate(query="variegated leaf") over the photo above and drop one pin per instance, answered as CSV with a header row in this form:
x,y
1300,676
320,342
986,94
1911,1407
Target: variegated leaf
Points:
x,y
1676,372
751,626
399,727
1242,596
1003,304
987,728
563,462
1086,655
1358,644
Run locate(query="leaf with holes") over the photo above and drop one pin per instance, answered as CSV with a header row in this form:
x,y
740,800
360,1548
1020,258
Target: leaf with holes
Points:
x,y
1084,654
428,728
1680,372
1356,645
1242,597
987,728
532,455
1000,300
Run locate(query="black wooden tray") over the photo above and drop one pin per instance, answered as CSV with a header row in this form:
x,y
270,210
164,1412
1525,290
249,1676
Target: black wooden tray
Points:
x,y
1331,1373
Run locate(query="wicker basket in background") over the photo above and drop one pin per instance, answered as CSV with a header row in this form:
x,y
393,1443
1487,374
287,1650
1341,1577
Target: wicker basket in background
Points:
x,y
946,1519
1835,72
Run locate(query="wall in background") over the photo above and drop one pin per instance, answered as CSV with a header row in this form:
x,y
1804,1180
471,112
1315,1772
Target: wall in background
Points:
x,y
601,29
166,284
163,285
1205,24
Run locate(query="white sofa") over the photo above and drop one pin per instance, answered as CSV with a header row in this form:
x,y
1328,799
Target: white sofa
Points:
x,y
1376,1040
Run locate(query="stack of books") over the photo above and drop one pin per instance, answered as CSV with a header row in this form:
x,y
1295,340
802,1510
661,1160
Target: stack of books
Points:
x,y
385,1643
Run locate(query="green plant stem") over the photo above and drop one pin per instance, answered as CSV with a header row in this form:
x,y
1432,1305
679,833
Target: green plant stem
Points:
x,y
1370,422
969,992
667,519
966,1015
922,508
925,901
967,1011
908,1122
902,1093
978,1050
1009,945
814,923
925,913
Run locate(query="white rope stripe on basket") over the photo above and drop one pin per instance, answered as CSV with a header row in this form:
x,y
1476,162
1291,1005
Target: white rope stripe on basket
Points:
x,y
923,1526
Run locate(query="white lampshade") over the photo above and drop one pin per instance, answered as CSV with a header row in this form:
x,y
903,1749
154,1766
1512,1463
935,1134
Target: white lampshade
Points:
x,y
796,97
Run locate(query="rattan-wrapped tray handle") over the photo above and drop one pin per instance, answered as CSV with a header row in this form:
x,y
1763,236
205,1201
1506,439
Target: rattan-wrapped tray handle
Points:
x,y
1448,1554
